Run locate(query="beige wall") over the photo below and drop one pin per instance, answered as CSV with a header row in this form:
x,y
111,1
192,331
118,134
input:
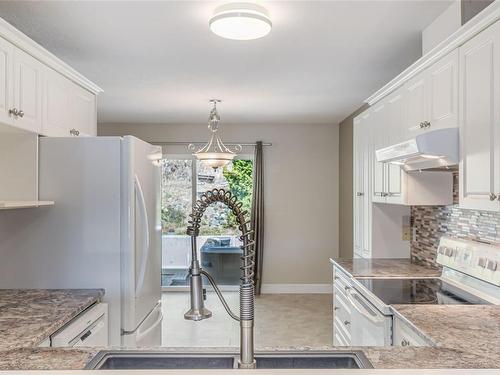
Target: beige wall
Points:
x,y
345,185
301,191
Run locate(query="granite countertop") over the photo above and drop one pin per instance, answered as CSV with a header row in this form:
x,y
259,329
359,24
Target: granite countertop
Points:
x,y
29,316
385,268
469,339
471,328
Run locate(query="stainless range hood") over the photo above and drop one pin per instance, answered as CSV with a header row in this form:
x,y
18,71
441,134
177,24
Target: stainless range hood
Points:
x,y
434,149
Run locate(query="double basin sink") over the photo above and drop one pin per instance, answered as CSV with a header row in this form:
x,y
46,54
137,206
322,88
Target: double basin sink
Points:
x,y
142,360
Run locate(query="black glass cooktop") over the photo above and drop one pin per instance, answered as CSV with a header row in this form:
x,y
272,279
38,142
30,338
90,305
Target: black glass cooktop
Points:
x,y
418,291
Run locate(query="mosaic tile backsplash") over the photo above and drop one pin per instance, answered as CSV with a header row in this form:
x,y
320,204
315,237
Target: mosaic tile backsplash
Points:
x,y
432,222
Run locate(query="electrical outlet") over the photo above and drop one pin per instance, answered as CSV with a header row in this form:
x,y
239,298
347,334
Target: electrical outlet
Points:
x,y
406,228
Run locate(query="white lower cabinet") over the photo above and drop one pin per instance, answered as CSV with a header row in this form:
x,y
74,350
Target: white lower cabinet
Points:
x,y
405,335
356,322
480,121
90,328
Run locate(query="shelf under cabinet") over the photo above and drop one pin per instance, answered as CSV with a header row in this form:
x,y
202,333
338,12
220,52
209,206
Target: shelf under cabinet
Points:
x,y
10,205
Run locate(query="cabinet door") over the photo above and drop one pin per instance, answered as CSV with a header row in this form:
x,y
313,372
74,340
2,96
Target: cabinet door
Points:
x,y
28,91
443,92
56,105
358,203
379,141
395,135
415,107
6,89
368,154
83,111
479,97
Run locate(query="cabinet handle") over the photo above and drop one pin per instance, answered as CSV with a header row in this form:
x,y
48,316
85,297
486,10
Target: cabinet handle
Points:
x,y
493,196
13,112
20,113
425,124
346,322
405,342
74,132
358,194
336,308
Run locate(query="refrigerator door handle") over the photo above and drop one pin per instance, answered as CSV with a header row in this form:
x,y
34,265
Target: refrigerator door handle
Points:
x,y
145,230
131,332
141,335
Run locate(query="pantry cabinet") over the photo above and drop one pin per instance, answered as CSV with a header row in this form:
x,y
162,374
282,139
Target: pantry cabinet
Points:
x,y
362,187
480,121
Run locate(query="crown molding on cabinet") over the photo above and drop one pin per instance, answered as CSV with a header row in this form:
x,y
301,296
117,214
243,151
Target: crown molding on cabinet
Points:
x,y
481,21
23,42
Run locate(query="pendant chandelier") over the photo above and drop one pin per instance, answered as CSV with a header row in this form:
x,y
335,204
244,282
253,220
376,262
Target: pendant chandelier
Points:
x,y
215,153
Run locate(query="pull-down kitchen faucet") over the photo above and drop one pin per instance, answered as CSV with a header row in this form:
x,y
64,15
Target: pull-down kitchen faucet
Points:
x,y
198,310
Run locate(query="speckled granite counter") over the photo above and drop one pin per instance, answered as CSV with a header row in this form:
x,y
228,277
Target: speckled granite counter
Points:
x,y
385,268
473,329
29,316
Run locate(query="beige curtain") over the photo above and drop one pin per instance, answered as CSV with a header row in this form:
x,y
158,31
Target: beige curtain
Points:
x,y
257,216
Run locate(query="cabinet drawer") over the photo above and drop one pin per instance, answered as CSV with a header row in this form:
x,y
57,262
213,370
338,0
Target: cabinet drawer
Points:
x,y
404,335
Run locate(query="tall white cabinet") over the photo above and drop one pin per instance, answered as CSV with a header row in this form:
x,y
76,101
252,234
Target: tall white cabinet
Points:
x,y
480,121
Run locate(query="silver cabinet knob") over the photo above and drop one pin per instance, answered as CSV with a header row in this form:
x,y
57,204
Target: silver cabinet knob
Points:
x,y
425,125
74,132
20,113
493,196
359,194
405,342
346,322
13,111
336,308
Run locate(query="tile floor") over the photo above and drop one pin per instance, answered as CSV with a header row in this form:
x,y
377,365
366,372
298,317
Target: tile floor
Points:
x,y
280,320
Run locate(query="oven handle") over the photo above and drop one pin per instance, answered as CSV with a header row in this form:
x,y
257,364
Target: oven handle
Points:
x,y
351,296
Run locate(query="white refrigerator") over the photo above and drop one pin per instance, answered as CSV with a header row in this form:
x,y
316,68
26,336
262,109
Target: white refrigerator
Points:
x,y
104,231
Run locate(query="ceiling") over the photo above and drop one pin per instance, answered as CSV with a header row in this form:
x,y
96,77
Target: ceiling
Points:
x,y
159,63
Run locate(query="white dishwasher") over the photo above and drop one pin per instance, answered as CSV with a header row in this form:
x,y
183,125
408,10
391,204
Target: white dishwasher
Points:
x,y
90,328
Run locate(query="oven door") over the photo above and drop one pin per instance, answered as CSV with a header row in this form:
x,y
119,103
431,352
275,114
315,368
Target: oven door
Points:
x,y
369,327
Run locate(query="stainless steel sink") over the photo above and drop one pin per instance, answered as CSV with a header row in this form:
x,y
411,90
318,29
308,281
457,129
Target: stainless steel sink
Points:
x,y
142,360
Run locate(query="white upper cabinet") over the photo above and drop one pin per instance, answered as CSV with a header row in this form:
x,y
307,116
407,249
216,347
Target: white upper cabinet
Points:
x,y
395,135
378,124
69,110
479,97
83,117
27,104
443,92
431,98
415,108
6,87
40,93
55,105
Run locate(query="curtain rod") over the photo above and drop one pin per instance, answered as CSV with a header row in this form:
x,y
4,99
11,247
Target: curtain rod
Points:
x,y
200,143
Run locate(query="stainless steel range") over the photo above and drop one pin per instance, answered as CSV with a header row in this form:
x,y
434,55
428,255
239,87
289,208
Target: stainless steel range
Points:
x,y
470,275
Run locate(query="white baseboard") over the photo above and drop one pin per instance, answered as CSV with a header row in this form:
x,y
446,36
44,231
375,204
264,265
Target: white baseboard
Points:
x,y
296,288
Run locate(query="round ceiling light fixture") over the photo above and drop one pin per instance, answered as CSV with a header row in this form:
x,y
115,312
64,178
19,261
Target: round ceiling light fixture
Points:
x,y
240,21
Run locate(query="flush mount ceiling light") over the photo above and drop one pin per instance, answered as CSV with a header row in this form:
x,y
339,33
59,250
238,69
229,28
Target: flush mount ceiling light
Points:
x,y
240,21
215,154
